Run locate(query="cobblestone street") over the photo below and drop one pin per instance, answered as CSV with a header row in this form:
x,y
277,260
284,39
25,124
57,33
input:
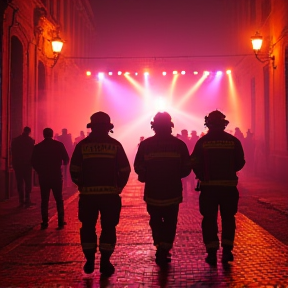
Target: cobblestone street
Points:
x,y
53,258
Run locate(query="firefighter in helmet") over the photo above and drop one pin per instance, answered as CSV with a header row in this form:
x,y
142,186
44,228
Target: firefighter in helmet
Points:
x,y
100,168
216,158
161,161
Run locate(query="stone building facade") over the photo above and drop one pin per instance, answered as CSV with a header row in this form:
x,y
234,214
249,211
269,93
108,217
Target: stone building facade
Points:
x,y
34,77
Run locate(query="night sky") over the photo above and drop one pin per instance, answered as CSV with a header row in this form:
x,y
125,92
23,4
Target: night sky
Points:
x,y
147,28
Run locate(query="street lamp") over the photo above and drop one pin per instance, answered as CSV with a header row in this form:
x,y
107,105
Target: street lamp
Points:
x,y
257,41
57,45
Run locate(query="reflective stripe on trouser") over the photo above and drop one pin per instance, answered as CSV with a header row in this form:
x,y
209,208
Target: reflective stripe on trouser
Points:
x,y
163,223
209,200
106,247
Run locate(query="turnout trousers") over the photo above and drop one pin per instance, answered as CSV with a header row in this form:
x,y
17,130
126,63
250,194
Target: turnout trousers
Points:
x,y
54,184
211,199
90,206
163,223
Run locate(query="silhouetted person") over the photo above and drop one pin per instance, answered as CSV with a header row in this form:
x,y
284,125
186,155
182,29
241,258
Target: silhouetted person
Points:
x,y
141,139
66,139
100,168
79,138
185,138
47,159
161,161
238,134
22,148
249,148
193,140
216,158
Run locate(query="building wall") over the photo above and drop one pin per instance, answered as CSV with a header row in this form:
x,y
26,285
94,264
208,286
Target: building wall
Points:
x,y
270,19
33,23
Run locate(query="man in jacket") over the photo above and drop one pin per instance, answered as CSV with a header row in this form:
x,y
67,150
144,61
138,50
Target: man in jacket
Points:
x,y
100,168
22,148
161,161
216,158
47,159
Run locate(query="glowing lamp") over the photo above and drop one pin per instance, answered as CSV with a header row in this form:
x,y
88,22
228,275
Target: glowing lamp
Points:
x,y
164,73
100,75
146,73
175,72
195,72
257,42
119,72
110,73
88,73
57,45
228,72
206,73
183,72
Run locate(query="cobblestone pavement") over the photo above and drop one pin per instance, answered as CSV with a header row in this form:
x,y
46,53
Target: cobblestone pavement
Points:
x,y
53,258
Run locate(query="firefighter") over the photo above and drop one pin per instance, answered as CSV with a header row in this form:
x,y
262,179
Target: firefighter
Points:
x,y
161,161
100,168
216,158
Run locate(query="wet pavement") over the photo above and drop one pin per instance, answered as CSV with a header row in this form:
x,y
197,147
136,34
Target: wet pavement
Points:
x,y
31,257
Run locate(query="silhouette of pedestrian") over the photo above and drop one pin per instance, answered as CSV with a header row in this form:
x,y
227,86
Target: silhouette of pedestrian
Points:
x,y
249,148
185,138
216,158
100,168
238,134
47,159
66,139
22,148
79,138
193,139
161,161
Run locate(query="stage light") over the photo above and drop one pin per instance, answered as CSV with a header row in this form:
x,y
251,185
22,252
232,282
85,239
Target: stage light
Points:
x,y
127,73
119,73
100,75
88,73
183,72
195,72
228,72
146,73
206,73
175,72
219,73
110,73
136,73
164,73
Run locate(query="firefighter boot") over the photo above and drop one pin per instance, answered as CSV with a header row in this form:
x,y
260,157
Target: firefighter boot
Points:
x,y
163,257
89,265
227,255
211,258
106,267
